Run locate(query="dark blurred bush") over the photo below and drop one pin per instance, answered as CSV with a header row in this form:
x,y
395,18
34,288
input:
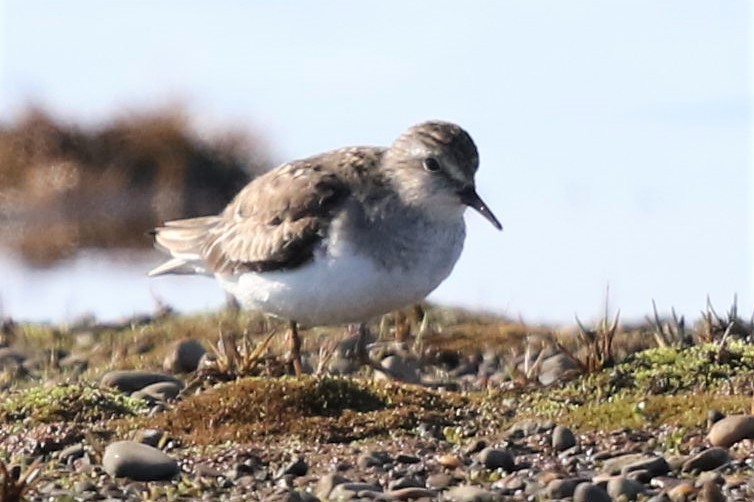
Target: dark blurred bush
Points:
x,y
64,187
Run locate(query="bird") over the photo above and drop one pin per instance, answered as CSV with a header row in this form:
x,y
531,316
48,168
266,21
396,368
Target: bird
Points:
x,y
340,237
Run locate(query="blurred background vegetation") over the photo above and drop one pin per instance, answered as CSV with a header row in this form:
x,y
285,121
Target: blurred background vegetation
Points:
x,y
66,187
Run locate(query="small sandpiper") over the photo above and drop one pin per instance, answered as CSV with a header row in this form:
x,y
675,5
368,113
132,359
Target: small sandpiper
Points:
x,y
339,237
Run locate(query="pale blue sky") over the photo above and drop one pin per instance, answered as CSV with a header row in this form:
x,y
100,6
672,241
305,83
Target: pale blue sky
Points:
x,y
615,137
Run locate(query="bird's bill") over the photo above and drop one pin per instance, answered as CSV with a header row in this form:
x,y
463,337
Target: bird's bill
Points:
x,y
472,199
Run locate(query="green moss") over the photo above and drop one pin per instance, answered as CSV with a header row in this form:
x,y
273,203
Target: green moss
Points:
x,y
64,402
328,409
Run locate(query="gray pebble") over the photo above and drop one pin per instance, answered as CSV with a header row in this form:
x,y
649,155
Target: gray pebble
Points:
x,y
410,493
439,481
707,460
587,492
634,462
183,356
132,380
326,484
467,493
138,461
405,370
71,453
563,438
623,487
160,391
296,468
494,458
349,491
406,482
373,459
555,368
730,430
562,488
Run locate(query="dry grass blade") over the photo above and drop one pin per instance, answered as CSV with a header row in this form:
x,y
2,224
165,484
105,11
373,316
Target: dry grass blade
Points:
x,y
597,345
14,484
667,334
242,358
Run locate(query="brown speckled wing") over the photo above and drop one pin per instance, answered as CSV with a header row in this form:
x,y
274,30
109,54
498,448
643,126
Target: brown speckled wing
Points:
x,y
277,220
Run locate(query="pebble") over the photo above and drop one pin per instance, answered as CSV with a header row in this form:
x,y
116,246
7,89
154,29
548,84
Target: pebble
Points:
x,y
403,369
554,368
132,380
711,492
183,356
372,459
620,486
681,492
468,493
138,461
563,438
495,458
349,491
439,481
10,357
562,488
297,468
326,484
588,492
411,493
707,460
730,430
71,453
159,392
625,464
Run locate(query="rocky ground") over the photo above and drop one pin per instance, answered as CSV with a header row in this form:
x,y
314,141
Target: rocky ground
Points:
x,y
202,408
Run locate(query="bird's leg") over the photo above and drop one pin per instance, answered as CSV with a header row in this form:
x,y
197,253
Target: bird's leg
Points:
x,y
294,355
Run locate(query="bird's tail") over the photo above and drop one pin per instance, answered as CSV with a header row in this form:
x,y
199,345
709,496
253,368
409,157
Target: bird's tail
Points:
x,y
183,240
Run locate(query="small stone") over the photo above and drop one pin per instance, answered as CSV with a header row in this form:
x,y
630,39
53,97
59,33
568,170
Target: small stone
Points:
x,y
714,416
475,446
71,453
403,369
681,492
407,459
562,438
297,468
159,392
373,459
349,491
467,493
406,482
183,356
439,481
327,483
711,492
587,492
707,460
562,488
623,487
494,458
410,493
635,462
449,461
730,430
556,368
132,380
140,462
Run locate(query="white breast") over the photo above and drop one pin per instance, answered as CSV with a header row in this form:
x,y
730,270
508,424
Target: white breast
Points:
x,y
342,286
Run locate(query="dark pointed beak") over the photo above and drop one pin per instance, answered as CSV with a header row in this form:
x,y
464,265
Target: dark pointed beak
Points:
x,y
472,199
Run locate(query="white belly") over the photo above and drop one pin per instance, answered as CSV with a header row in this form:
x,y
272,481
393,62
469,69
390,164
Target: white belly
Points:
x,y
341,288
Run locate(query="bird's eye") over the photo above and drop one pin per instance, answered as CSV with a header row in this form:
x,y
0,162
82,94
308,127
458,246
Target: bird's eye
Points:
x,y
431,164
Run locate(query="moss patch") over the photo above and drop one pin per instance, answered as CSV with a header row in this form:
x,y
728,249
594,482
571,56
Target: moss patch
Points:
x,y
324,409
69,403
